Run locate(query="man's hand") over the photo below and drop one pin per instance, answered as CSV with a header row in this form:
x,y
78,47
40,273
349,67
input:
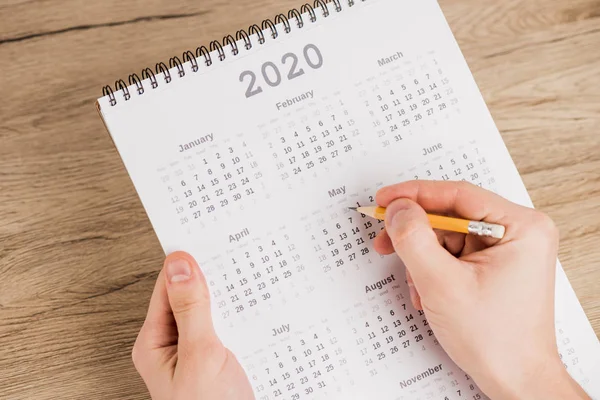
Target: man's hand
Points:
x,y
489,302
177,352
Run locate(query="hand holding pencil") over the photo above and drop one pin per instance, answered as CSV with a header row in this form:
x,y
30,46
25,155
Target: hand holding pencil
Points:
x,y
489,302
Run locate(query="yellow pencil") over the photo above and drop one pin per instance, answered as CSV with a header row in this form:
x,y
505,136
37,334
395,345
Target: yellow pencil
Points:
x,y
478,228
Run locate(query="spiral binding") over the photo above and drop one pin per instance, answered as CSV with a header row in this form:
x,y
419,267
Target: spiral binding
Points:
x,y
219,46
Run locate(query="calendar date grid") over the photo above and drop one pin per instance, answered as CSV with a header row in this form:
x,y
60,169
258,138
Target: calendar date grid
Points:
x,y
256,275
312,139
216,179
387,329
341,238
305,364
402,100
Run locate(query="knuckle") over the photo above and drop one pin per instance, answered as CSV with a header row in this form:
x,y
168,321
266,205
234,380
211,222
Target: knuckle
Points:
x,y
413,235
210,352
408,235
542,223
186,304
137,355
212,349
216,355
183,305
465,185
542,232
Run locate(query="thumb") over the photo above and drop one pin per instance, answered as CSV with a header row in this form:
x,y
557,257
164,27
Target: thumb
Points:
x,y
415,242
189,299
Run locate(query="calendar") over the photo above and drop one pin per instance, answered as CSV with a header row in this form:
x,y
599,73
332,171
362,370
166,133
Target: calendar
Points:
x,y
248,153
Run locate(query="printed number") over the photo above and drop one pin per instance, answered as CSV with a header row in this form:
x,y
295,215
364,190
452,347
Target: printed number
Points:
x,y
313,59
275,70
250,91
317,52
293,73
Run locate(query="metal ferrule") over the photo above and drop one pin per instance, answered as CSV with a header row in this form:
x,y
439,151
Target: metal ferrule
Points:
x,y
480,228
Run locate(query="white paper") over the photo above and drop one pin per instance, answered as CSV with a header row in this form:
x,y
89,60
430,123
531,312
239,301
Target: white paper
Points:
x,y
257,189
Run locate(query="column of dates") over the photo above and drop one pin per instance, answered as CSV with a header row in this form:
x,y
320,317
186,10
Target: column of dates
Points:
x,y
569,355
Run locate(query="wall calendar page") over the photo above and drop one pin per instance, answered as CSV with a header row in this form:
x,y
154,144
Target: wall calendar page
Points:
x,y
249,164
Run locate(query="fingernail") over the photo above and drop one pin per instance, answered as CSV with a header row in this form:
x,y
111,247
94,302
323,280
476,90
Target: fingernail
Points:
x,y
178,270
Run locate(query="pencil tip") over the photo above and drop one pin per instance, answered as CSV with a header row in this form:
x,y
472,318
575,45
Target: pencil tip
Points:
x,y
352,208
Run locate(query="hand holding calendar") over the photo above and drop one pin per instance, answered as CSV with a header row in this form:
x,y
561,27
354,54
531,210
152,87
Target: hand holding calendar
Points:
x,y
314,113
177,352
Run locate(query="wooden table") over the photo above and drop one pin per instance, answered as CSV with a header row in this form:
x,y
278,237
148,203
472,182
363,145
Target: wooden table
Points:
x,y
78,257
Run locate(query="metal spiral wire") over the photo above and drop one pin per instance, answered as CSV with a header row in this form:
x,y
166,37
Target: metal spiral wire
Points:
x,y
229,41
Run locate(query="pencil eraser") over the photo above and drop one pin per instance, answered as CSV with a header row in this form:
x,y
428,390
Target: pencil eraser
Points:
x,y
497,231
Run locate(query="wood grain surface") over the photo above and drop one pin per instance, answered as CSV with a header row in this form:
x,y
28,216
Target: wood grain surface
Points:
x,y
78,257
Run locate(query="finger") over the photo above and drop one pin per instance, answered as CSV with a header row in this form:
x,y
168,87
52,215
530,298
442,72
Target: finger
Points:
x,y
451,241
430,265
159,327
382,243
157,333
189,299
476,243
454,198
415,299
